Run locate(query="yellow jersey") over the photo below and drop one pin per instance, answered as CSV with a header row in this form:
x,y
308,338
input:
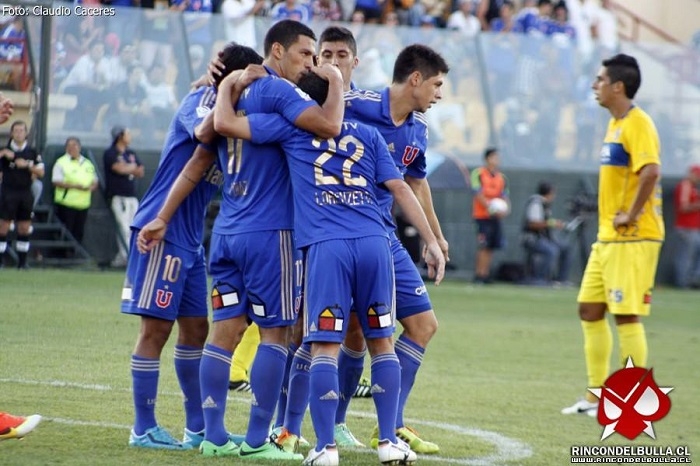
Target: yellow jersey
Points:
x,y
630,143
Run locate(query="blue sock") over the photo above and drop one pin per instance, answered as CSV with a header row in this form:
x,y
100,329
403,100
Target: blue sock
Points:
x,y
214,373
298,398
410,358
350,365
144,378
187,360
386,376
266,382
282,402
323,398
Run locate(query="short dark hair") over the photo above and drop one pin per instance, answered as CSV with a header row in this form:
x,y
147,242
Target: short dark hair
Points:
x,y
286,33
625,69
418,57
315,86
489,152
544,188
18,123
339,34
236,57
72,138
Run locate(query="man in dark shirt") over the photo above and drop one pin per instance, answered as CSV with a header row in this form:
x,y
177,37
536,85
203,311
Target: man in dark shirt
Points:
x,y
122,167
19,163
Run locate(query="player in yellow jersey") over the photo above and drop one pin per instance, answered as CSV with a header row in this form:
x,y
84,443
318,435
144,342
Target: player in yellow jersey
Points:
x,y
619,276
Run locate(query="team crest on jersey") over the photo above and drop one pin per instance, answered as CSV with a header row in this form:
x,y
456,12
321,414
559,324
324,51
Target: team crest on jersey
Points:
x,y
379,316
223,295
163,298
331,319
391,147
202,111
409,155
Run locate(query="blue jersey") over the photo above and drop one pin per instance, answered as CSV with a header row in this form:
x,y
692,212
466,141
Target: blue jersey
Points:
x,y
334,180
407,142
187,225
257,193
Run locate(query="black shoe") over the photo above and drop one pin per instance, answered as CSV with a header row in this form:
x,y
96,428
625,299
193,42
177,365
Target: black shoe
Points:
x,y
239,386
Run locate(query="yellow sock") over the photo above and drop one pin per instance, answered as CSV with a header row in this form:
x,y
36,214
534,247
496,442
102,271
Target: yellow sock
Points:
x,y
597,348
633,342
244,354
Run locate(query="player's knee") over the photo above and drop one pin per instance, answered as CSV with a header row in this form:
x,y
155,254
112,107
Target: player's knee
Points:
x,y
591,312
420,328
193,332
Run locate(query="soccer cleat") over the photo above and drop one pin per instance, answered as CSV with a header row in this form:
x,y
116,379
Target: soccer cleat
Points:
x,y
398,453
208,449
344,438
195,439
582,407
277,431
325,457
239,386
288,441
410,436
267,451
17,426
156,437
364,389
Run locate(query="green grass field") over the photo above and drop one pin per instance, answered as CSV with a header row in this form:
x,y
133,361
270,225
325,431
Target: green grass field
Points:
x,y
505,361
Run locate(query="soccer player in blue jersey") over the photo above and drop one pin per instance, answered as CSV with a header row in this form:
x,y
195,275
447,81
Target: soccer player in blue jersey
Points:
x,y
338,222
169,283
253,256
397,112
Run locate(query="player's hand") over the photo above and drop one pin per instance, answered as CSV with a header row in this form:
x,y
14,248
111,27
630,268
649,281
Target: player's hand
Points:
x,y
328,72
21,163
435,259
7,153
215,68
151,235
250,74
444,247
622,219
6,108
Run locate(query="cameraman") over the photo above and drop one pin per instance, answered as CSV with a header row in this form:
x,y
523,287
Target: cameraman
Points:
x,y
538,240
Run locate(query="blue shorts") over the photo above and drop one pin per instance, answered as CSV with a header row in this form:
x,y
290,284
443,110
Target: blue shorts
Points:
x,y
256,274
411,295
167,282
489,233
345,274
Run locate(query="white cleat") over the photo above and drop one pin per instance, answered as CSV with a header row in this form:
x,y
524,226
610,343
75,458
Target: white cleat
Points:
x,y
395,454
582,407
326,457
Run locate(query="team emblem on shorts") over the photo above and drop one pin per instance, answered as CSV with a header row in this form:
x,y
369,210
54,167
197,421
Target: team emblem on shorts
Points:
x,y
330,321
163,298
379,316
223,295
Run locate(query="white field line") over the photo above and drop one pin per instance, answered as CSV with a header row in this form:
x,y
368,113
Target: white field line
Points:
x,y
507,449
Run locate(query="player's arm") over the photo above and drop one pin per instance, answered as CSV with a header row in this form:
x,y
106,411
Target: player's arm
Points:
x,y
648,177
406,199
226,122
421,188
122,167
192,173
476,188
325,121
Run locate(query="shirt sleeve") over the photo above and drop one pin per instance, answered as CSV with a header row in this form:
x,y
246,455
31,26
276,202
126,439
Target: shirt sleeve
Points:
x,y
195,107
287,99
57,175
267,128
641,142
535,212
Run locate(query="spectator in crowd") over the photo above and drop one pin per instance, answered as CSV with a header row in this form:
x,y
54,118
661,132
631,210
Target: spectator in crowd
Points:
x,y
487,11
687,205
371,10
408,12
239,17
488,183
463,19
88,81
131,103
17,426
437,9
120,64
19,163
74,178
291,9
506,21
12,49
197,16
326,10
536,21
122,167
156,43
160,98
539,240
560,25
78,41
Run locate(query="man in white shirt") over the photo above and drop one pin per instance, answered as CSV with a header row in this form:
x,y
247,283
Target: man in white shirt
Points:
x,y
239,16
463,19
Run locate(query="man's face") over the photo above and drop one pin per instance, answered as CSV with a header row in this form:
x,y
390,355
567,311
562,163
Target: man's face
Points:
x,y
73,148
602,88
297,59
428,91
126,138
19,134
339,54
